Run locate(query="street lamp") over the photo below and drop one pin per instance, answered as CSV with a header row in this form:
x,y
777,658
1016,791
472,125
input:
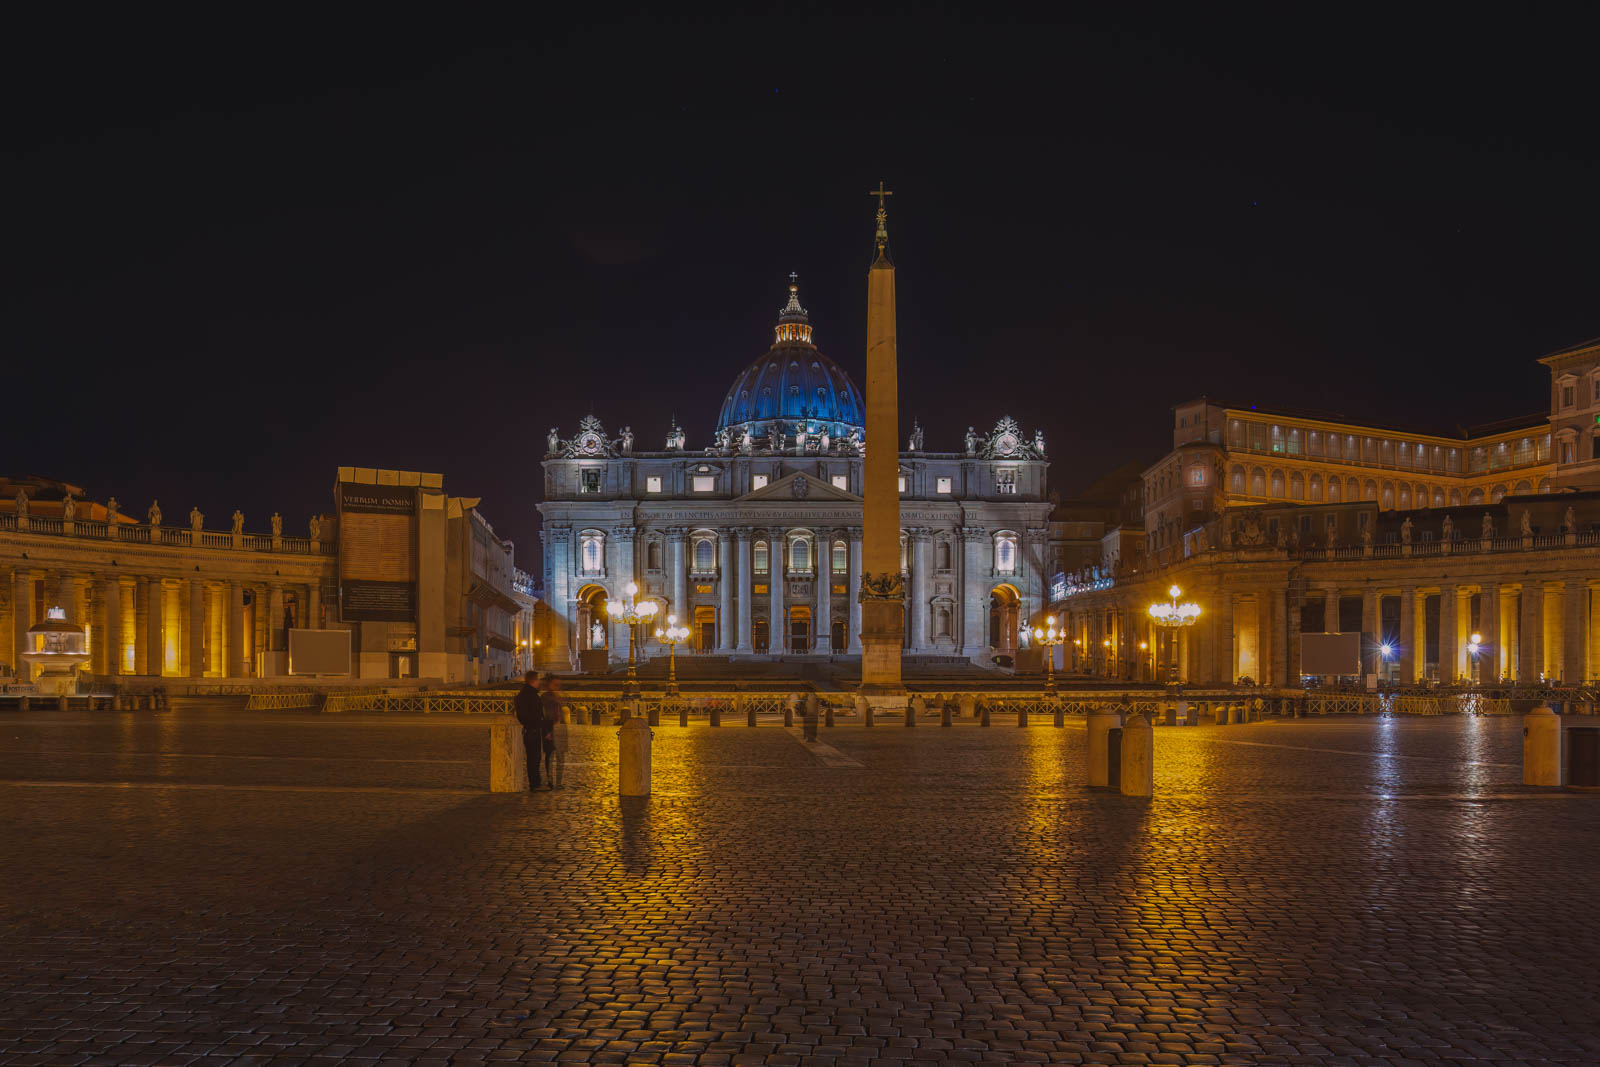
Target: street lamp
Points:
x,y
1049,637
1172,617
671,636
633,613
1474,647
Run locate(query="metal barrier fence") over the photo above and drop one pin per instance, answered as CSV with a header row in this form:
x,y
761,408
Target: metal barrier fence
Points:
x,y
283,700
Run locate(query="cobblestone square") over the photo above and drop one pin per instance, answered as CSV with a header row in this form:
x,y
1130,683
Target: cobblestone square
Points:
x,y
252,888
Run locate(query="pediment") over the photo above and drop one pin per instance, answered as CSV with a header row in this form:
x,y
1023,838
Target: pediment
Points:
x,y
800,486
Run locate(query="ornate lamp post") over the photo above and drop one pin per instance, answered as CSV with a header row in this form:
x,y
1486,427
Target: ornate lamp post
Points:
x,y
1172,617
633,613
1049,637
671,636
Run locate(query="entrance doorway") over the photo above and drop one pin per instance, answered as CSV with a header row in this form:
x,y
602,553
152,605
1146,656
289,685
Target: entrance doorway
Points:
x,y
840,636
705,628
1005,608
799,630
760,634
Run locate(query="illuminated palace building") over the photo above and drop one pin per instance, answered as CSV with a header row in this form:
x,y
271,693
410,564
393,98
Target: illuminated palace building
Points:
x,y
754,542
1279,523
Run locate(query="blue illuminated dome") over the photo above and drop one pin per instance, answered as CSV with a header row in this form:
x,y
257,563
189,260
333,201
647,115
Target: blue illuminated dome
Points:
x,y
793,387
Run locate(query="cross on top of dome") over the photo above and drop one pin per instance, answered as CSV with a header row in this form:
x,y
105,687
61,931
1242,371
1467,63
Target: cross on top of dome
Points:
x,y
793,322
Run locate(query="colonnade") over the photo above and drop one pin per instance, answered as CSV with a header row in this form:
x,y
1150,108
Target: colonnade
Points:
x,y
157,626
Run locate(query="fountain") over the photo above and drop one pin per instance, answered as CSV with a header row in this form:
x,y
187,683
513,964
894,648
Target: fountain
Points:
x,y
58,649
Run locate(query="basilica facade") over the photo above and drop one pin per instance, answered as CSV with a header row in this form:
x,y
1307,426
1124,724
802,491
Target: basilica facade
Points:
x,y
753,539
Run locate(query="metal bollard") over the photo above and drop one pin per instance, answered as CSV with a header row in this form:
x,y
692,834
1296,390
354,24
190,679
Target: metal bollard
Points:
x,y
788,715
655,715
911,714
1022,716
1061,716
716,715
983,715
683,715
867,718
944,714
750,715
22,702
594,716
1172,715
633,758
61,702
827,715
1541,747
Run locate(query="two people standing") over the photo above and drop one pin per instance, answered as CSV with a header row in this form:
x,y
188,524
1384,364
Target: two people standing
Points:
x,y
544,735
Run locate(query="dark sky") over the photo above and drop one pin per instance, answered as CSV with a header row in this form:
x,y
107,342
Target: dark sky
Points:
x,y
246,253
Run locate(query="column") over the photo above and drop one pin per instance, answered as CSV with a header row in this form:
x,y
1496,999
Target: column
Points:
x,y
111,590
680,577
154,633
726,571
558,638
1290,606
1550,632
21,619
1409,653
1330,610
1530,638
1267,650
746,608
777,624
974,597
277,639
1489,630
1594,633
1574,641
313,606
854,636
1224,664
1449,634
235,660
824,613
921,564
1370,637
196,644
1509,603
67,596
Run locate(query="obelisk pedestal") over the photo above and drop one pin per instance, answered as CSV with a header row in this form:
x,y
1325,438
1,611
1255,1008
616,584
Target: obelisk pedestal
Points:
x,y
882,588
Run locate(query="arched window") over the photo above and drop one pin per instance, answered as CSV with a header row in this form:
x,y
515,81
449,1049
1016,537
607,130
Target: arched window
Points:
x,y
1475,497
759,552
1297,486
1370,490
905,553
1335,487
800,555
1277,485
1438,497
1405,496
1315,488
652,555
592,552
841,558
705,555
1236,480
1498,494
1258,482
1387,503
1005,553
1455,498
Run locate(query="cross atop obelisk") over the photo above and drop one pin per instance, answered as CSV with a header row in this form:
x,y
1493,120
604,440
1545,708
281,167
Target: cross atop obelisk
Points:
x,y
882,590
883,217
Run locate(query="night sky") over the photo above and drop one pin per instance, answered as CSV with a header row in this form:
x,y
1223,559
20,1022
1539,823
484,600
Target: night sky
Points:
x,y
243,254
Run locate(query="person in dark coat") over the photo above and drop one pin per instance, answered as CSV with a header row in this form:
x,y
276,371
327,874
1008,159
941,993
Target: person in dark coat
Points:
x,y
550,694
530,713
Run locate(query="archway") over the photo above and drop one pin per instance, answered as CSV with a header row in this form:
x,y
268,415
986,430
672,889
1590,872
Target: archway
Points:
x,y
705,628
1005,611
799,630
592,623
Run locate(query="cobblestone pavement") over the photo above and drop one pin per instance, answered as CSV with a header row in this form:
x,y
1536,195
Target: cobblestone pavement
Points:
x,y
197,887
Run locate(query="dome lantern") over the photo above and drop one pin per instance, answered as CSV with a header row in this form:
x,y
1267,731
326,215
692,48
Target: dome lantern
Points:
x,y
794,326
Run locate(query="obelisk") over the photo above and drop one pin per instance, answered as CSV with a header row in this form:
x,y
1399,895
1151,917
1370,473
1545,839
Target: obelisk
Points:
x,y
882,589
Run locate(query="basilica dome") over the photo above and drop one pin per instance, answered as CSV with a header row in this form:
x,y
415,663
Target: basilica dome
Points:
x,y
793,388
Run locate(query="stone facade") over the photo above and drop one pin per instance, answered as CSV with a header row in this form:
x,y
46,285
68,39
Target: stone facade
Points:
x,y
754,542
1280,524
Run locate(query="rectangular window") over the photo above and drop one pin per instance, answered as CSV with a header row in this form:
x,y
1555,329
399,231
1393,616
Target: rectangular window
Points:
x,y
1333,446
705,483
1235,433
902,483
589,481
1005,481
1277,438
652,484
841,481
1542,449
1566,396
1258,436
1566,451
758,481
943,485
759,557
1313,443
